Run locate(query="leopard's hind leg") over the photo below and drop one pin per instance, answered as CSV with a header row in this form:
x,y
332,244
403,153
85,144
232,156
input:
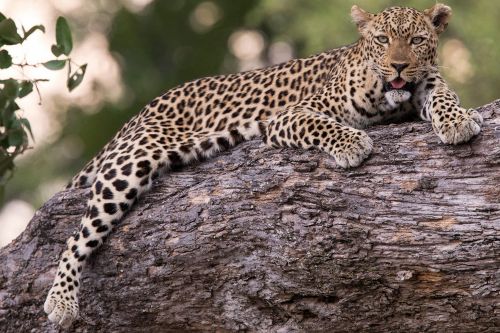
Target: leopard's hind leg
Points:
x,y
87,176
127,169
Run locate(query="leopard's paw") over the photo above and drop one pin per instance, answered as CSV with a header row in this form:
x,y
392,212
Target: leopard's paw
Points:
x,y
460,127
396,97
352,148
61,306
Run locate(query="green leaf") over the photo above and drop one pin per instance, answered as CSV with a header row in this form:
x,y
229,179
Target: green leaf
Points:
x,y
17,137
76,78
10,89
15,124
5,59
27,125
2,17
4,101
8,116
4,143
32,30
63,36
56,50
25,89
8,32
55,64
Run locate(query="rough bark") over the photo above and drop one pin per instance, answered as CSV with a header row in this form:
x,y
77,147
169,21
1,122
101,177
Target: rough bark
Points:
x,y
267,240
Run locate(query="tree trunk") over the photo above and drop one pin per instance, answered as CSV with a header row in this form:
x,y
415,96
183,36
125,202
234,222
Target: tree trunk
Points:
x,y
281,240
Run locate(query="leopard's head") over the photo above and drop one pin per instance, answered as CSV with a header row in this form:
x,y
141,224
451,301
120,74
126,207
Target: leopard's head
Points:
x,y
400,44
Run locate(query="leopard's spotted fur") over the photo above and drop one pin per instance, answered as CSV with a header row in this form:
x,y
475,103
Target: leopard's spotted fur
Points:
x,y
322,101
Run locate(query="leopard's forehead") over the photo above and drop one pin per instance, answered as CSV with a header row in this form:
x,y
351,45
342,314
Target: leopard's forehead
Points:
x,y
400,21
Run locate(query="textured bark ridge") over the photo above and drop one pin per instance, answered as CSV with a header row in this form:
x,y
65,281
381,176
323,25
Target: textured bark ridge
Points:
x,y
266,240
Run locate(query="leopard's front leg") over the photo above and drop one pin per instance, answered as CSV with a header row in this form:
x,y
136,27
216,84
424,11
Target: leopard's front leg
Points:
x,y
437,103
303,127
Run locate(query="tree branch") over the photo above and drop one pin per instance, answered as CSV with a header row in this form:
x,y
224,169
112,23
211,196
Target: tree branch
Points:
x,y
260,239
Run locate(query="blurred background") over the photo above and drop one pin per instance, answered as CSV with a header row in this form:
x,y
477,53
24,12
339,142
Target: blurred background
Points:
x,y
138,49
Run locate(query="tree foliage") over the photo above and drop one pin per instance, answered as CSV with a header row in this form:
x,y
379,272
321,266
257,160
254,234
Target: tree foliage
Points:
x,y
14,128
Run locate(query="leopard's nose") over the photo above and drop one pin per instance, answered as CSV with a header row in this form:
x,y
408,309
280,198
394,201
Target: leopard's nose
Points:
x,y
399,67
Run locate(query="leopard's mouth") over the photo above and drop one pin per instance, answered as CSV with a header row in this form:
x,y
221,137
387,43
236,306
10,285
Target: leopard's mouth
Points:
x,y
399,84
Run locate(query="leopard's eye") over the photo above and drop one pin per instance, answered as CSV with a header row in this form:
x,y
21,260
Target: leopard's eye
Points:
x,y
382,39
417,40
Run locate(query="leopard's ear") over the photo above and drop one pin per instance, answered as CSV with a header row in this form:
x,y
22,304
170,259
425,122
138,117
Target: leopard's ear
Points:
x,y
439,15
360,17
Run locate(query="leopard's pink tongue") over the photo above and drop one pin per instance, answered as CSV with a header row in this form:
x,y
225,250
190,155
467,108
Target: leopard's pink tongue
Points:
x,y
398,83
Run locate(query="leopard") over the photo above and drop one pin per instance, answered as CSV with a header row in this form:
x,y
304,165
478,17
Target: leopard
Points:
x,y
321,102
